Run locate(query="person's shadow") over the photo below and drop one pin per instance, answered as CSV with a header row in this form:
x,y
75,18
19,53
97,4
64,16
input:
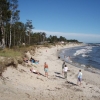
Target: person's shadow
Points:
x,y
42,74
71,83
39,73
58,75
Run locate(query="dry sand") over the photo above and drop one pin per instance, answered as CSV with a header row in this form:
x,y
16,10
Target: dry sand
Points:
x,y
21,84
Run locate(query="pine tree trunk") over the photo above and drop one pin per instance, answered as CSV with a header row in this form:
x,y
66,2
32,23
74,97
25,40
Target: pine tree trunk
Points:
x,y
14,37
10,38
29,38
3,39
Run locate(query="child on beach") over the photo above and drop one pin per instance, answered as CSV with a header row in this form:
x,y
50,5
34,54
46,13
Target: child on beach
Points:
x,y
65,71
46,69
79,78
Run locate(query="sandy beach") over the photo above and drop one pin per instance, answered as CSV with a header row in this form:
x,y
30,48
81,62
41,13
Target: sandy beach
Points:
x,y
21,84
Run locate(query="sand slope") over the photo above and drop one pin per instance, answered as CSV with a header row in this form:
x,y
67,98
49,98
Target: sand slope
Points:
x,y
21,84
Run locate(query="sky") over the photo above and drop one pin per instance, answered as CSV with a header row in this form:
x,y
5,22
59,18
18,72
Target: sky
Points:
x,y
73,19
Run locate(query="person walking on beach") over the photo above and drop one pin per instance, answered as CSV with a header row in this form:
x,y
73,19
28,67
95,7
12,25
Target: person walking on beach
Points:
x,y
79,78
65,71
46,69
63,67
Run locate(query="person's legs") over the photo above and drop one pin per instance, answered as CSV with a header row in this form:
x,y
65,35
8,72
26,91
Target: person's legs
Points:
x,y
62,71
65,75
46,72
77,81
80,81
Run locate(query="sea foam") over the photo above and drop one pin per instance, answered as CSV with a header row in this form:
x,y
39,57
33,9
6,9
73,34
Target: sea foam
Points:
x,y
84,51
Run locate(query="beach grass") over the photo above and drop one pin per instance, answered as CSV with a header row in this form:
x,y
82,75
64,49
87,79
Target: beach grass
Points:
x,y
16,51
10,53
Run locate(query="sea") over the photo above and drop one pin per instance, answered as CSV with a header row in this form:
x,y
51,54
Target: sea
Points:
x,y
87,56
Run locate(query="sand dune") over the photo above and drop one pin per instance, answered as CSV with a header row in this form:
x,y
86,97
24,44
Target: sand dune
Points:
x,y
21,84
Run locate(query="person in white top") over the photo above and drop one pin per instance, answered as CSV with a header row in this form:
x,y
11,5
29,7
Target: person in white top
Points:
x,y
79,78
65,71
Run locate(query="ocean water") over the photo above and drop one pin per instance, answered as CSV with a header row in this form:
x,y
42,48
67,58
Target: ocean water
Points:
x,y
87,56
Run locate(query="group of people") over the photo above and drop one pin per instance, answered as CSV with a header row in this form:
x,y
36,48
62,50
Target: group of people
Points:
x,y
32,60
65,69
45,69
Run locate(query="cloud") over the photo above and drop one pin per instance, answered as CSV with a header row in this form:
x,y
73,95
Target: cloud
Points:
x,y
86,38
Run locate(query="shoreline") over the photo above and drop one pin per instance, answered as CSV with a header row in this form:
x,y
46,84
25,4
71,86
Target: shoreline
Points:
x,y
21,84
86,68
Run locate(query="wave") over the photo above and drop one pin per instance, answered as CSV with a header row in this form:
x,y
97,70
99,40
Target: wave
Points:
x,y
84,55
83,65
83,51
63,51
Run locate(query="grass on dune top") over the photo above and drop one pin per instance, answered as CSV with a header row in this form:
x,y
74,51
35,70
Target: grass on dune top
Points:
x,y
19,51
9,53
16,51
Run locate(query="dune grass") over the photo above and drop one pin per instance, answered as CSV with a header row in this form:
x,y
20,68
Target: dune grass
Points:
x,y
15,51
10,53
20,51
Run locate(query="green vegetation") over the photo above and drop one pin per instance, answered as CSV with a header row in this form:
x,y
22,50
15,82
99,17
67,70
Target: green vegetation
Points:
x,y
74,41
17,37
14,32
10,53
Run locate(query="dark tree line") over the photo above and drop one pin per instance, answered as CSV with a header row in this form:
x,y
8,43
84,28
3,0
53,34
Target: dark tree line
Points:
x,y
55,39
14,32
72,40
